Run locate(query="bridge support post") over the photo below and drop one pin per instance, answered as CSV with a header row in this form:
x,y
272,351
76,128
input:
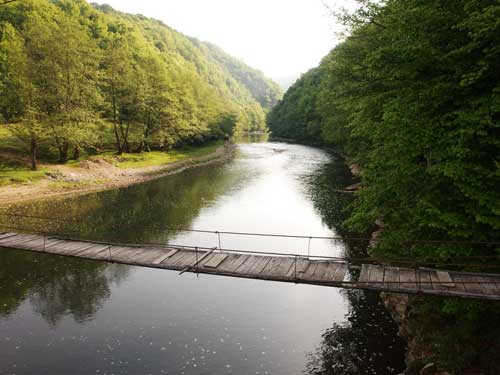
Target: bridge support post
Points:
x,y
218,235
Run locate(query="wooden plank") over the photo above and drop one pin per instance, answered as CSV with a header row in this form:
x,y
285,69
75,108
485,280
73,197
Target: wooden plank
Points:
x,y
69,247
340,273
321,270
254,265
391,278
35,244
79,249
215,260
9,238
325,271
281,269
122,253
52,240
258,267
164,256
310,273
469,282
376,278
125,254
408,279
298,268
436,283
134,256
445,279
364,275
148,255
52,246
174,259
231,264
490,285
424,280
250,262
96,251
187,260
17,240
198,260
4,236
278,266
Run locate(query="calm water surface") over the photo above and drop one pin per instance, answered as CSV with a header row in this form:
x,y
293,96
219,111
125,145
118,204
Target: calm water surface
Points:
x,y
68,316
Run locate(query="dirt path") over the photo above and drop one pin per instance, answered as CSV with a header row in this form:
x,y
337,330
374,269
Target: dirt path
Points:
x,y
99,175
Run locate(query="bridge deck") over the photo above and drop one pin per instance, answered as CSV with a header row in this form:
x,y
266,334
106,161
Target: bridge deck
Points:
x,y
277,268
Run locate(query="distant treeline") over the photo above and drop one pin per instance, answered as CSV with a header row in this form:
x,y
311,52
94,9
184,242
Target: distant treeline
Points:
x,y
412,95
74,74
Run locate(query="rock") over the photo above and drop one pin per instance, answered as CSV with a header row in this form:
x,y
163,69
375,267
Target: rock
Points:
x,y
428,369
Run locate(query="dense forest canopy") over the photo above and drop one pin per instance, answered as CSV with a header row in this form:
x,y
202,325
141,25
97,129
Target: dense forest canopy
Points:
x,y
74,74
412,96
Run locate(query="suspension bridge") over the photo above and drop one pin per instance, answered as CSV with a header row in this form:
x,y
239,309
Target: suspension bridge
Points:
x,y
402,276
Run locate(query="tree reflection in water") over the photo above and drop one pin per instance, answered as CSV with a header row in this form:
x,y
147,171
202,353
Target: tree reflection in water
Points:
x,y
361,345
55,286
367,343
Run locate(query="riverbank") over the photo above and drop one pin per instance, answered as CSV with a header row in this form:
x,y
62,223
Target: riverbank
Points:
x,y
105,173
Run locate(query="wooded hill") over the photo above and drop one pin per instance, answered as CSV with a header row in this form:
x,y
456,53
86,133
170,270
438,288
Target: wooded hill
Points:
x,y
75,75
412,95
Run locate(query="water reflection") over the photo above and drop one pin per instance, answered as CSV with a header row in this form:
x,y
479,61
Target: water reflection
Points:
x,y
137,213
132,320
55,286
366,343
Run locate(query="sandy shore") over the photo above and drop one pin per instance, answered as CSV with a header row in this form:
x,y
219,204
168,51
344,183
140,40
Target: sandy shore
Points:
x,y
99,175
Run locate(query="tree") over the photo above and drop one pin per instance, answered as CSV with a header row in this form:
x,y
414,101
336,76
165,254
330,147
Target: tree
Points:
x,y
18,95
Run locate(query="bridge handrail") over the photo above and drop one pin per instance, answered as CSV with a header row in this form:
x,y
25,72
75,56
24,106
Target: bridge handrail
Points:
x,y
111,242
335,238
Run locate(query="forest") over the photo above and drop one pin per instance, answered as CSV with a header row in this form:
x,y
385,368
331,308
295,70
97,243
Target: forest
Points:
x,y
412,96
76,77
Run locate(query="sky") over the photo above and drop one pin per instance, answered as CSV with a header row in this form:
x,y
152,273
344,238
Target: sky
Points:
x,y
282,38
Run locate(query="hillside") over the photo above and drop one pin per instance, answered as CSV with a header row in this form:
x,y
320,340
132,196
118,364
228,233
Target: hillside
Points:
x,y
264,90
75,76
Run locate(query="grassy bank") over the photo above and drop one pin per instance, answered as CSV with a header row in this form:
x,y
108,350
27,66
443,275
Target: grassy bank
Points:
x,y
15,166
158,158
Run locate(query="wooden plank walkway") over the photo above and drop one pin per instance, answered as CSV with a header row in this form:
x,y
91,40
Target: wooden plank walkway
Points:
x,y
276,268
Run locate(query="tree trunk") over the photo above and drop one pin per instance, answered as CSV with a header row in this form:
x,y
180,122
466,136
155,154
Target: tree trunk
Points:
x,y
33,153
63,152
76,153
125,144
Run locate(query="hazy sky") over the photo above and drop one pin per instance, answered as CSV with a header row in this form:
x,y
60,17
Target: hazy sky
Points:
x,y
282,38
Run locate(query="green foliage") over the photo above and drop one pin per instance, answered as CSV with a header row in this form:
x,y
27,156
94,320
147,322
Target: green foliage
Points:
x,y
412,95
73,75
265,91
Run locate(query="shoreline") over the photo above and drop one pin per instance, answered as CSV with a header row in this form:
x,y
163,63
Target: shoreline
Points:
x,y
103,177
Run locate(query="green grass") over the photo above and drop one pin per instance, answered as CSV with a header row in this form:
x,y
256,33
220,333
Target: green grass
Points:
x,y
15,167
157,158
14,173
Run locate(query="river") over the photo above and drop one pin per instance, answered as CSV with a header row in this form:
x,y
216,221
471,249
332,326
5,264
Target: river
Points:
x,y
70,316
